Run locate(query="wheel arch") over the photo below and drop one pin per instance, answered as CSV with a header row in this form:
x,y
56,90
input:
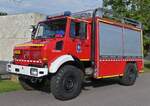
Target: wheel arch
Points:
x,y
134,63
77,63
65,60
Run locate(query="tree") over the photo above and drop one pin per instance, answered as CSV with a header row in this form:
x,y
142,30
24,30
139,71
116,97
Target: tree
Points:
x,y
3,13
136,9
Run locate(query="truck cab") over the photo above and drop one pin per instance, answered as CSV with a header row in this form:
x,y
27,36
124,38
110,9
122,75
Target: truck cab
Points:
x,y
54,38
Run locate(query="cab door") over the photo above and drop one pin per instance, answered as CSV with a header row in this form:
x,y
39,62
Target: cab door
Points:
x,y
78,40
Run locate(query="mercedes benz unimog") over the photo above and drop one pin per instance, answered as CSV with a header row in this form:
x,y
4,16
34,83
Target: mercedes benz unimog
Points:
x,y
68,48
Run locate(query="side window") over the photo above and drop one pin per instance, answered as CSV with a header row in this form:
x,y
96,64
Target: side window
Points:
x,y
78,29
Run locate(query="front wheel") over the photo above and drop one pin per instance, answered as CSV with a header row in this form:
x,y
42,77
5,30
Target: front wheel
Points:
x,y
67,83
130,75
26,84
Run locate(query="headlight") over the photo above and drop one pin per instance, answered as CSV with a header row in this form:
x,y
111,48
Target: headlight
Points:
x,y
34,71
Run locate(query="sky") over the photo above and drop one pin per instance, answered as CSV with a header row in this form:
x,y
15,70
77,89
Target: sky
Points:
x,y
47,6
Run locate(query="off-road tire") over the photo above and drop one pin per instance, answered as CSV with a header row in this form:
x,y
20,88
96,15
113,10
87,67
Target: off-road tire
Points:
x,y
130,75
28,85
67,82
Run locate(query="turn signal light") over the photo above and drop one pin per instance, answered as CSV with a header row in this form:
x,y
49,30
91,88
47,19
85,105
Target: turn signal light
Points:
x,y
45,59
17,52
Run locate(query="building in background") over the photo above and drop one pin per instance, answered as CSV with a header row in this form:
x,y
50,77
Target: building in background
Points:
x,y
14,29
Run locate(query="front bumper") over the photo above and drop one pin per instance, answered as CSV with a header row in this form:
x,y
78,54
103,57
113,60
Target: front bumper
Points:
x,y
27,70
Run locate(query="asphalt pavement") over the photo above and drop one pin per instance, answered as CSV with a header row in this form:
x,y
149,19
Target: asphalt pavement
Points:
x,y
99,93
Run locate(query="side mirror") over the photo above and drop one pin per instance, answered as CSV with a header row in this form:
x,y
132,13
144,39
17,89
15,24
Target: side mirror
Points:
x,y
32,30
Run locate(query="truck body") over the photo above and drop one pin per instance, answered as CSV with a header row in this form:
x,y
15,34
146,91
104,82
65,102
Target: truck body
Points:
x,y
99,47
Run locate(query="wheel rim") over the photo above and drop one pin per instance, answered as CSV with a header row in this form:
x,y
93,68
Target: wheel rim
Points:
x,y
131,75
69,83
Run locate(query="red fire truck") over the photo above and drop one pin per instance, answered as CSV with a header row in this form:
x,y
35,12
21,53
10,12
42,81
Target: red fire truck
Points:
x,y
69,47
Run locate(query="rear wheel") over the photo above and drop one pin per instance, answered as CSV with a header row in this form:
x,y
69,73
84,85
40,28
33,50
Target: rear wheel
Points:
x,y
130,75
67,83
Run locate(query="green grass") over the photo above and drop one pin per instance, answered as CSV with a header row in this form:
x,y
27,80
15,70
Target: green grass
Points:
x,y
147,66
7,86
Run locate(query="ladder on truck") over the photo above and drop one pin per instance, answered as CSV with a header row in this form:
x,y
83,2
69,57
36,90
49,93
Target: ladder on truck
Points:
x,y
105,13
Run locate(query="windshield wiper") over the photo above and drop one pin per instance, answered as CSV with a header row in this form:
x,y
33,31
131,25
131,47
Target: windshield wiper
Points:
x,y
44,37
39,37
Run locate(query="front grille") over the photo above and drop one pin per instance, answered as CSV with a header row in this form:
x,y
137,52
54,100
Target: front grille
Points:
x,y
28,55
33,55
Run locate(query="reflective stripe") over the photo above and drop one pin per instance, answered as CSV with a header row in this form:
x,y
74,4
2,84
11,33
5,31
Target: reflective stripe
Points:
x,y
142,71
111,76
37,45
84,59
121,60
34,61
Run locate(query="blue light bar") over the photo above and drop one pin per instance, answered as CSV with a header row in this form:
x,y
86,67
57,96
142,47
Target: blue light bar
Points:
x,y
66,13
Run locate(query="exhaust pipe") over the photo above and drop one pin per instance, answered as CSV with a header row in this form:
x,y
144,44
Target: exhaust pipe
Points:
x,y
93,37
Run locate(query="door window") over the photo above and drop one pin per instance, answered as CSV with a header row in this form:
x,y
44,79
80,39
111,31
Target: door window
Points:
x,y
78,30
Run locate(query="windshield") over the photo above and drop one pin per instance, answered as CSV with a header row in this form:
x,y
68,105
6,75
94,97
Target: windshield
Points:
x,y
51,29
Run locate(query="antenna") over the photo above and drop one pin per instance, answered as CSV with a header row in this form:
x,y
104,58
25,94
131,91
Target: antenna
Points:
x,y
102,3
